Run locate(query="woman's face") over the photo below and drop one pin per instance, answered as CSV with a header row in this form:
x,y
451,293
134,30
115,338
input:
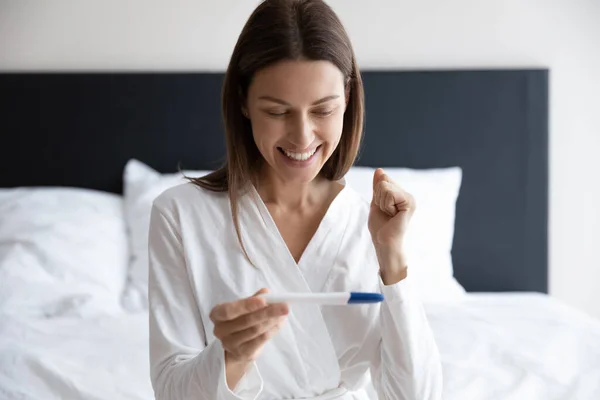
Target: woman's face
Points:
x,y
296,109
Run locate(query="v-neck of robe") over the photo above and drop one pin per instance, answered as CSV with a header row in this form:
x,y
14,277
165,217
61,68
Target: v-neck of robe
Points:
x,y
327,237
306,334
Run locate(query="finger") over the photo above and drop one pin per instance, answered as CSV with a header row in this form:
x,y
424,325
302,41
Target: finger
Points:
x,y
377,194
234,309
382,199
248,349
261,291
236,339
230,311
377,176
246,321
395,200
272,311
388,204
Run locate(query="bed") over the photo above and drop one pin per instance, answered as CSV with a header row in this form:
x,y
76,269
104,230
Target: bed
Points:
x,y
85,153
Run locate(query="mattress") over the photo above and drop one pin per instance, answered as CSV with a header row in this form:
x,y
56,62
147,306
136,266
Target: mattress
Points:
x,y
517,346
69,358
493,346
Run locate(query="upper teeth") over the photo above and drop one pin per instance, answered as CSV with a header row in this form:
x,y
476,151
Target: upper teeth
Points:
x,y
299,156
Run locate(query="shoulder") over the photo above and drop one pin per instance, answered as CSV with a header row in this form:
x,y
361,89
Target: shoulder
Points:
x,y
189,197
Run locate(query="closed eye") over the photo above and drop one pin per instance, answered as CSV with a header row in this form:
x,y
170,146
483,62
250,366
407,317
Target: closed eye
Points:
x,y
318,113
323,113
276,114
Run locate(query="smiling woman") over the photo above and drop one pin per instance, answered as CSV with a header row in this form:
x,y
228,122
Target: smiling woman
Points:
x,y
279,217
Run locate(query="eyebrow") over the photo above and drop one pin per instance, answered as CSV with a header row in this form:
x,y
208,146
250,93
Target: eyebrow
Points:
x,y
279,101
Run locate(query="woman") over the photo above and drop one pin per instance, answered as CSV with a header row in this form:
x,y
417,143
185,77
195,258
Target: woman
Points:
x,y
278,217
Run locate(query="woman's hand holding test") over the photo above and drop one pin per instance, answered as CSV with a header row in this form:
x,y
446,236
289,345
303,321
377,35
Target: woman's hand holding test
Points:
x,y
243,327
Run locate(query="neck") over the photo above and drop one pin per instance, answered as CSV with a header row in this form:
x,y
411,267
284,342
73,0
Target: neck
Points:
x,y
292,195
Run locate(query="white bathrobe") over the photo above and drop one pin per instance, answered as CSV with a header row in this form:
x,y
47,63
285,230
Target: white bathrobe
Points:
x,y
323,352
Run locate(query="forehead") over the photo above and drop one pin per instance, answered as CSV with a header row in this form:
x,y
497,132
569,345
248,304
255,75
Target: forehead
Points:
x,y
297,81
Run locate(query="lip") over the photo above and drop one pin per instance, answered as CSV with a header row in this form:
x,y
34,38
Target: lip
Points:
x,y
296,163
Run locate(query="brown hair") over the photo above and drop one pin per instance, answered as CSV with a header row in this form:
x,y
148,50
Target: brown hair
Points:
x,y
281,30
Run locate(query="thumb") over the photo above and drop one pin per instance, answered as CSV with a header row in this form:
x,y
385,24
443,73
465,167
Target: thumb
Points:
x,y
377,177
261,291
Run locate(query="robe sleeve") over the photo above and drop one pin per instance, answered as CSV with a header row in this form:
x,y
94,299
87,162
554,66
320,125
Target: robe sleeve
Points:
x,y
182,364
407,364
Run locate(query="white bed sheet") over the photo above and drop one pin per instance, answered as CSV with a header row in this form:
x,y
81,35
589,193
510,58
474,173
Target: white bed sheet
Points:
x,y
517,346
493,346
67,358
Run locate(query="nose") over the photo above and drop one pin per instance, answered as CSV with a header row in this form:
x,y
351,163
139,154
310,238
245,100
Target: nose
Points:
x,y
301,131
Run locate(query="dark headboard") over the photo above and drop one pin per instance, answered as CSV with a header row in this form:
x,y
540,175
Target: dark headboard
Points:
x,y
79,129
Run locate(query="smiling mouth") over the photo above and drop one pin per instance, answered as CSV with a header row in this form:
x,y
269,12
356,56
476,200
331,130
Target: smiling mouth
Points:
x,y
298,156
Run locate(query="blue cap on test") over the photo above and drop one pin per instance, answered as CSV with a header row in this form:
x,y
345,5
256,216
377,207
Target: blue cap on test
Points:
x,y
361,297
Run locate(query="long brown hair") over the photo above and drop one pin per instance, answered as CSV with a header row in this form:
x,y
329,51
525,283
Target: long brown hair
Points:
x,y
281,30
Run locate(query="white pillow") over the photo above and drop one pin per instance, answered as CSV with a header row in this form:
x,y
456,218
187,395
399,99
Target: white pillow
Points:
x,y
142,185
63,252
431,231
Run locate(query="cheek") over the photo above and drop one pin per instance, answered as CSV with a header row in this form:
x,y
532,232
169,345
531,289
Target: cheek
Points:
x,y
332,127
266,131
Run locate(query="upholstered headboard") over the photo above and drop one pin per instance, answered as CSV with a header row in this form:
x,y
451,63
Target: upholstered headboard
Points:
x,y
79,129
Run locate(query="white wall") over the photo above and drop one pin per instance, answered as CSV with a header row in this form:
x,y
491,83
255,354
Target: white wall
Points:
x,y
563,35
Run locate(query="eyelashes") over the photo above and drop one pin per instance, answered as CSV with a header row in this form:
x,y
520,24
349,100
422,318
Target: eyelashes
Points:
x,y
318,113
324,113
276,114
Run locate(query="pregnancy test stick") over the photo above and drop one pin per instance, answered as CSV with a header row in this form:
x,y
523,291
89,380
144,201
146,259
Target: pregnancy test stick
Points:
x,y
337,299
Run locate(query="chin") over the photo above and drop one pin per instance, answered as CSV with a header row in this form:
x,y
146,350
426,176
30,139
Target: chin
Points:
x,y
299,177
